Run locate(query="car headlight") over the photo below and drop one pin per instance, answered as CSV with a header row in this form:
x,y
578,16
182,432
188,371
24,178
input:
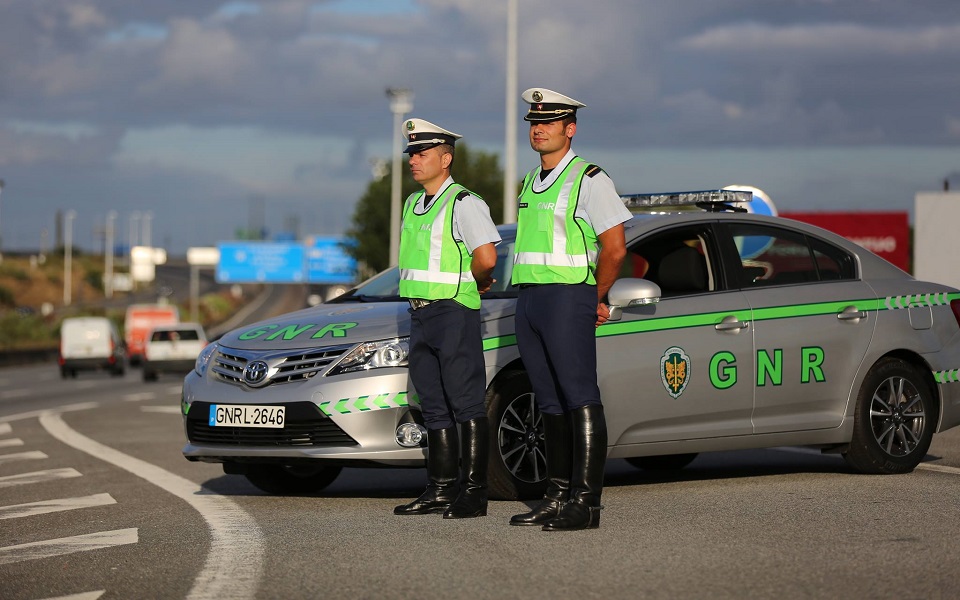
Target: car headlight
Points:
x,y
374,355
203,359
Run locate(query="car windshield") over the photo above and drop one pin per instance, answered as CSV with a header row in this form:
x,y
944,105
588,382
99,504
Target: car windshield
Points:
x,y
385,286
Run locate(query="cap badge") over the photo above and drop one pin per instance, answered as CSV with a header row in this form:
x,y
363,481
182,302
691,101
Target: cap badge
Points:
x,y
410,126
537,96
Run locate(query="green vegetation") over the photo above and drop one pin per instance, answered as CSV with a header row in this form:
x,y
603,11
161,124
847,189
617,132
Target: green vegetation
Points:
x,y
27,285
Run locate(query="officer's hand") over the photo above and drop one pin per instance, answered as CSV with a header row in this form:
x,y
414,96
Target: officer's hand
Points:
x,y
484,286
603,313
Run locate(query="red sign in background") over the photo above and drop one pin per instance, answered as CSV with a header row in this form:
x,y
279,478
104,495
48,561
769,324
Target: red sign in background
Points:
x,y
886,234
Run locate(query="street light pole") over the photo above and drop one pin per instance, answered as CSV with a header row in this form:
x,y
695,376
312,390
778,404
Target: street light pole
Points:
x,y
68,256
145,225
2,183
401,102
510,151
108,256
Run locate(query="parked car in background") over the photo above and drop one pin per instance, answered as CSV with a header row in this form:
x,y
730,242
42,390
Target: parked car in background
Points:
x,y
140,320
728,331
172,349
89,344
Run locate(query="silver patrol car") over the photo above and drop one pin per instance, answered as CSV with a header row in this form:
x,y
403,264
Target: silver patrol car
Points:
x,y
728,331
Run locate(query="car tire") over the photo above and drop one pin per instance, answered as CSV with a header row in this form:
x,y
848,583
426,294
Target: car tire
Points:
x,y
666,462
895,416
286,480
517,469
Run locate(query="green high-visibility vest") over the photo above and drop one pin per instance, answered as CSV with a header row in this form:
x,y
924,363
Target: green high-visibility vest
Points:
x,y
434,265
552,245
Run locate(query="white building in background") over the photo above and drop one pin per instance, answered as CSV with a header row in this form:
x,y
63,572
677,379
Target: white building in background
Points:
x,y
936,242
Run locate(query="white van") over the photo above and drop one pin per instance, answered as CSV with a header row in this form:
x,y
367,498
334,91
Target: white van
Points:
x,y
90,343
172,349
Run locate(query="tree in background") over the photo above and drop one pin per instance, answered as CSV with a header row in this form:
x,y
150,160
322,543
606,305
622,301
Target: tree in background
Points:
x,y
478,171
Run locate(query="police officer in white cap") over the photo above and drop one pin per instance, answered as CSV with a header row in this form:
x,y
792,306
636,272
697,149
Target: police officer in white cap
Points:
x,y
447,256
569,249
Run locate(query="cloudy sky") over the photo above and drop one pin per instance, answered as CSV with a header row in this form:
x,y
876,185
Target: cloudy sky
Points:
x,y
208,116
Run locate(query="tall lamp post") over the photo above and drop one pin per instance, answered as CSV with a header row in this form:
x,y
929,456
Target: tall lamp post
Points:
x,y
510,151
401,102
68,256
1,230
108,255
146,227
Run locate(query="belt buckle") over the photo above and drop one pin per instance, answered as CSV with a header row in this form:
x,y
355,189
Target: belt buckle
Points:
x,y
418,303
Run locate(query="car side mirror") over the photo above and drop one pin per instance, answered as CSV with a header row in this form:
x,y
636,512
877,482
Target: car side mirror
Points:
x,y
631,292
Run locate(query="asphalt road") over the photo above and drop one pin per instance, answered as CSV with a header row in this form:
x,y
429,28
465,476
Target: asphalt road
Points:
x,y
96,501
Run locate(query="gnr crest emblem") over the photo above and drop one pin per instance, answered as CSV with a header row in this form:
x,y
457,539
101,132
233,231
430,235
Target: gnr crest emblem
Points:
x,y
675,370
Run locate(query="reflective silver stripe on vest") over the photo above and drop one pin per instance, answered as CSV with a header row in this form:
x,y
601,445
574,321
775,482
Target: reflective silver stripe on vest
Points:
x,y
435,276
557,259
436,235
560,225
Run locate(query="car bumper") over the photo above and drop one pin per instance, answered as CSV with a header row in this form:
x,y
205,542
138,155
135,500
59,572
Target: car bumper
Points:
x,y
346,420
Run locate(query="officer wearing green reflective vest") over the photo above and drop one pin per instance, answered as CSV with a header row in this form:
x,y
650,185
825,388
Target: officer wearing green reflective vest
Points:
x,y
447,256
570,245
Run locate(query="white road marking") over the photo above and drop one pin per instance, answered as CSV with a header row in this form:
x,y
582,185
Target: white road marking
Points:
x,y
81,596
68,545
31,455
38,477
85,385
5,428
235,560
139,396
37,413
175,410
14,394
175,390
10,442
29,509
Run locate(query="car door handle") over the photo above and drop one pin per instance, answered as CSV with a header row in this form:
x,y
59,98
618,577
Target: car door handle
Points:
x,y
851,313
731,323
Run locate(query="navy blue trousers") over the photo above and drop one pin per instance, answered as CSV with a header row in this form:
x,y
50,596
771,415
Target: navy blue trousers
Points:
x,y
446,363
556,335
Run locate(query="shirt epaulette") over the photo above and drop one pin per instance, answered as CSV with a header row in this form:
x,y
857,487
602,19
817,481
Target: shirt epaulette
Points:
x,y
466,193
592,170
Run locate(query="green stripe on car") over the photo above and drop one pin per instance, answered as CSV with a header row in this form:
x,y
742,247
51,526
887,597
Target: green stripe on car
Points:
x,y
346,406
759,314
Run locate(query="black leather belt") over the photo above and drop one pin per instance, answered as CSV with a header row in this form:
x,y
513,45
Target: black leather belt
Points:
x,y
418,303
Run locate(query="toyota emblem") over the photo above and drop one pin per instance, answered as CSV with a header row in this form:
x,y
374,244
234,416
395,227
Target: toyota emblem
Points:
x,y
255,372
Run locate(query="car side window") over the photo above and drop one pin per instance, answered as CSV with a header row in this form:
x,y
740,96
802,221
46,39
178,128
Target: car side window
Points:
x,y
678,261
773,256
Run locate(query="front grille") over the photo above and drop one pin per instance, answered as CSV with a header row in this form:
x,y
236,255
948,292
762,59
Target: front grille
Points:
x,y
305,426
284,367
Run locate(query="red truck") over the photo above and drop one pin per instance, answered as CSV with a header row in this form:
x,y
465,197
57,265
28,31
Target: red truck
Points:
x,y
140,321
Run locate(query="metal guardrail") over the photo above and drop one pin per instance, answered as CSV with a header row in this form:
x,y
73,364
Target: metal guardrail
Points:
x,y
10,358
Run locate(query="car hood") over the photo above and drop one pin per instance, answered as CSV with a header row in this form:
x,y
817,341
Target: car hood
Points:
x,y
336,324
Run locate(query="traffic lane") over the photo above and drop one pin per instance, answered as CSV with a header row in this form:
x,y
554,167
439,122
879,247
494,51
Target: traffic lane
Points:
x,y
27,389
720,516
732,524
170,541
717,523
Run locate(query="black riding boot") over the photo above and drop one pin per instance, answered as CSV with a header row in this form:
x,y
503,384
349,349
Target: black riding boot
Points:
x,y
475,452
556,430
582,511
441,471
